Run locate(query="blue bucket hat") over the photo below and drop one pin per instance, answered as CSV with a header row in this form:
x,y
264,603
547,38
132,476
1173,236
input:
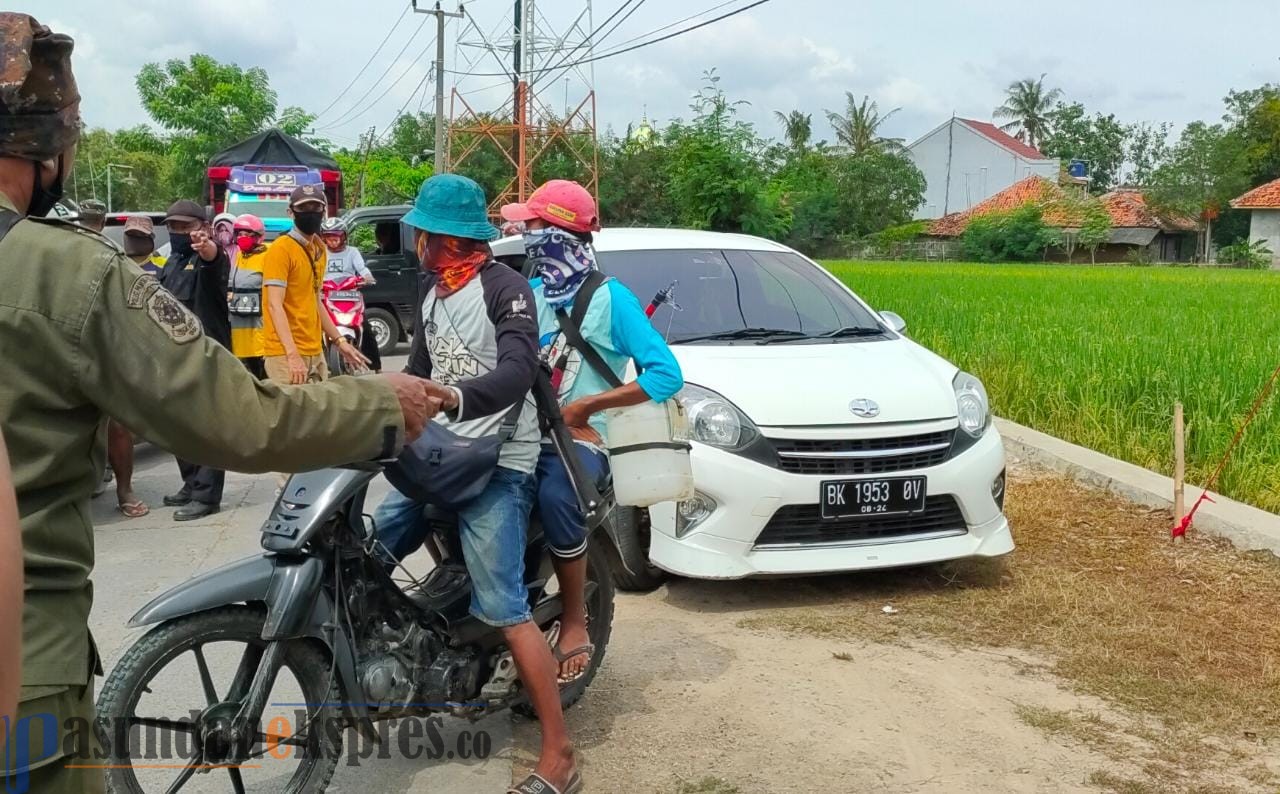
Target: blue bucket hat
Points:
x,y
453,205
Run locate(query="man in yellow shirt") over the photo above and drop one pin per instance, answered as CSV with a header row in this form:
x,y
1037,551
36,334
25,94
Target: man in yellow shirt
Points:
x,y
295,323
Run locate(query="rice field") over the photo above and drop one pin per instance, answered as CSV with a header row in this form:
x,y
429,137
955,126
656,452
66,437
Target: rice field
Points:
x,y
1099,355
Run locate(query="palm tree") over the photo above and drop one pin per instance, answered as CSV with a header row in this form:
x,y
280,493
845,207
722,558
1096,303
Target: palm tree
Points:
x,y
858,130
798,128
1027,104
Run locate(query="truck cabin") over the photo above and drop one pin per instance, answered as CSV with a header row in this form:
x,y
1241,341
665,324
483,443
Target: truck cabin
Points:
x,y
263,190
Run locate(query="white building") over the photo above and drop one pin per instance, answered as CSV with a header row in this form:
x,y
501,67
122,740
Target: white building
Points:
x,y
965,162
1263,202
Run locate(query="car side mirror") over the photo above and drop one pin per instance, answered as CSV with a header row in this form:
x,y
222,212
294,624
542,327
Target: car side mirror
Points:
x,y
895,321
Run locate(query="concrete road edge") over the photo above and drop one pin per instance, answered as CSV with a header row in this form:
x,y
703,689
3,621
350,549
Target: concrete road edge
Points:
x,y
1247,527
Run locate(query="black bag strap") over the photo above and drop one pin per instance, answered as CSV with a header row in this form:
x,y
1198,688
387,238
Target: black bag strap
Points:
x,y
8,219
571,327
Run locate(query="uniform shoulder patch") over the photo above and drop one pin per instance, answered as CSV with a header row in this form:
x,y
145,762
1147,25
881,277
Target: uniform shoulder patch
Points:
x,y
143,285
174,318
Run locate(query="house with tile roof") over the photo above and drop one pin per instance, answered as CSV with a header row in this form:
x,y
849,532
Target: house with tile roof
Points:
x,y
1263,203
965,162
1135,225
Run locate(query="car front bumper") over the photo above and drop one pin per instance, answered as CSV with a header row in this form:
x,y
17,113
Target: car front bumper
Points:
x,y
749,494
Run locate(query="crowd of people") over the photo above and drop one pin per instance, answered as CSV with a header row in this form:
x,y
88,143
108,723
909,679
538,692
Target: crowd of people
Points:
x,y
216,354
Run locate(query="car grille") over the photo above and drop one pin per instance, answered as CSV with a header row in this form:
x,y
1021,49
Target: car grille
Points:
x,y
804,525
863,455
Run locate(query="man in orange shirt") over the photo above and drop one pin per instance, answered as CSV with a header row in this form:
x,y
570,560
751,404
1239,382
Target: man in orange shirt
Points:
x,y
296,324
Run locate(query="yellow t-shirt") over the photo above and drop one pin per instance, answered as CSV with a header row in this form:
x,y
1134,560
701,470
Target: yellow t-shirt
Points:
x,y
286,264
246,330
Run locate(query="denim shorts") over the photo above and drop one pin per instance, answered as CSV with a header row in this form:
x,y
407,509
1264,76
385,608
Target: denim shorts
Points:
x,y
494,531
562,522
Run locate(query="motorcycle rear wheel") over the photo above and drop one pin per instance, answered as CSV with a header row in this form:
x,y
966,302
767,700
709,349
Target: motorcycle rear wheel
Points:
x,y
319,747
599,626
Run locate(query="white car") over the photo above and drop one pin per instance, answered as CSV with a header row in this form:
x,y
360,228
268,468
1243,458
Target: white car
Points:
x,y
824,439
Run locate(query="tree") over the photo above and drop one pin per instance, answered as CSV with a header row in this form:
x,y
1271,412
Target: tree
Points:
x,y
797,127
1146,149
1027,105
1095,228
1205,169
1071,134
859,128
205,105
808,187
633,183
1019,235
876,190
715,171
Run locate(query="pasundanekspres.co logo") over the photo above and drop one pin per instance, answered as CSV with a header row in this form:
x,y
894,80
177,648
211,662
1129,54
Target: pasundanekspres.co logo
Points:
x,y
78,743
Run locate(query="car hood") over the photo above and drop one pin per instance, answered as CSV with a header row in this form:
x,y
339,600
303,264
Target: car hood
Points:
x,y
802,384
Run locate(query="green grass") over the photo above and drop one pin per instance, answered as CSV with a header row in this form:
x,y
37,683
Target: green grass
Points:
x,y
1099,355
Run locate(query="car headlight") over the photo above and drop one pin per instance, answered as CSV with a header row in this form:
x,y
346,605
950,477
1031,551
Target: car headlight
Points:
x,y
972,405
714,420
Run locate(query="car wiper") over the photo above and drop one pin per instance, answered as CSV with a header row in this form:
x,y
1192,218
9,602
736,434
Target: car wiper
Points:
x,y
839,333
742,333
852,330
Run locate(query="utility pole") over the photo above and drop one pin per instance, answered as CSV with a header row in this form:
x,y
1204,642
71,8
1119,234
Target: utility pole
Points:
x,y
364,160
109,167
441,16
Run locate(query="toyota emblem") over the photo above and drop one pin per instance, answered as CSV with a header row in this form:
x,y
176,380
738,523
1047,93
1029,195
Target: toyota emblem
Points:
x,y
867,409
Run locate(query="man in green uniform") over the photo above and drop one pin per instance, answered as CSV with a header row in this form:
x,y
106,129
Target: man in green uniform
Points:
x,y
84,333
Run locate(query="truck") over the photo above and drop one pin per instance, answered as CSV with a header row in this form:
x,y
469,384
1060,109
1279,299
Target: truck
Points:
x,y
256,176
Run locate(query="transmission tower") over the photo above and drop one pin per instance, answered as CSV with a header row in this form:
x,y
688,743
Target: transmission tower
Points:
x,y
552,100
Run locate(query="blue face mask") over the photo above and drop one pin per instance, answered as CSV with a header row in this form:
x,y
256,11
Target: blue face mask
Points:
x,y
561,259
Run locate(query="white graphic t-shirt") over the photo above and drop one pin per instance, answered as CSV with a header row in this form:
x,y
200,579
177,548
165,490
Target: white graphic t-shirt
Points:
x,y
347,262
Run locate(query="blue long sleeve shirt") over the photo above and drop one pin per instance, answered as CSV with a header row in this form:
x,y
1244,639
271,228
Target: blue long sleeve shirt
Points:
x,y
618,328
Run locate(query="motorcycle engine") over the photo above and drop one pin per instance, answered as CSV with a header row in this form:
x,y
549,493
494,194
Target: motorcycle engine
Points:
x,y
386,680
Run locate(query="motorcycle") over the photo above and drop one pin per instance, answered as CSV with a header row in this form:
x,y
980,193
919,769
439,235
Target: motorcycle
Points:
x,y
345,305
322,604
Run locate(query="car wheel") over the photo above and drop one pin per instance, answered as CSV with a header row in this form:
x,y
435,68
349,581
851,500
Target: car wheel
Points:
x,y
386,329
632,570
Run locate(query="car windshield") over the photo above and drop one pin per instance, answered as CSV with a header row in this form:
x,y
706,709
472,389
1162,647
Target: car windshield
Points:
x,y
738,294
271,208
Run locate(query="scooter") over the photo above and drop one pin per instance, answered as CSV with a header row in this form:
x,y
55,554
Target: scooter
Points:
x,y
345,305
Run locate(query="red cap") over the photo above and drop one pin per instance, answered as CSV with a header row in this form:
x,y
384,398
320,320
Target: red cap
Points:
x,y
560,203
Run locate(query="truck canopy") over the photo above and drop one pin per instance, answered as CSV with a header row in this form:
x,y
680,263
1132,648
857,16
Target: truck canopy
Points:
x,y
273,147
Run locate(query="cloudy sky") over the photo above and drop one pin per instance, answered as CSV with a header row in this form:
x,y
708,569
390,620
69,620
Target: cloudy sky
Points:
x,y
1143,60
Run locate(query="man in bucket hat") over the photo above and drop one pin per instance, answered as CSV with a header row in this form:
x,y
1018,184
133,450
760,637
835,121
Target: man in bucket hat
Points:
x,y
86,334
477,335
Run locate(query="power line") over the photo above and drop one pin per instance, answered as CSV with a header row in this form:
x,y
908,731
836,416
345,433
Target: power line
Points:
x,y
385,39
624,50
348,117
670,25
345,117
591,38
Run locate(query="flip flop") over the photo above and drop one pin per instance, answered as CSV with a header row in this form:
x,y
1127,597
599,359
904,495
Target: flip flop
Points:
x,y
135,509
564,656
537,784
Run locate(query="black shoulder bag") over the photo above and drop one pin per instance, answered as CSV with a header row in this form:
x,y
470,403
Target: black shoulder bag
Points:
x,y
447,470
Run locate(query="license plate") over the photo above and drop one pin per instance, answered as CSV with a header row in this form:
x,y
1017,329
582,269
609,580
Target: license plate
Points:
x,y
345,295
883,497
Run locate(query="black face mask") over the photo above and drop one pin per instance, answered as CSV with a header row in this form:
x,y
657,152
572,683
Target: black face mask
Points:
x,y
138,246
42,200
180,244
308,222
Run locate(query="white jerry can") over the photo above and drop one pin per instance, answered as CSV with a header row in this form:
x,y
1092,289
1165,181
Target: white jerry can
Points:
x,y
649,453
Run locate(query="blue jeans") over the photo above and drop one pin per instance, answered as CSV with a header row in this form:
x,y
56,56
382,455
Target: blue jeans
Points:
x,y
563,524
493,528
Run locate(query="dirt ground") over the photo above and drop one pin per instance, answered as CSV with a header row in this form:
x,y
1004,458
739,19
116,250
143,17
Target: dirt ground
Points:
x,y
806,685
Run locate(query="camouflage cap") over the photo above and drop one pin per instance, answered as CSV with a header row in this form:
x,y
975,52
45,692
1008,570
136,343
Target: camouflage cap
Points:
x,y
92,209
39,103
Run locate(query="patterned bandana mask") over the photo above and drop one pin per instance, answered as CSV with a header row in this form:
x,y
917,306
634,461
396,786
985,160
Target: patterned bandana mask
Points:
x,y
562,259
455,260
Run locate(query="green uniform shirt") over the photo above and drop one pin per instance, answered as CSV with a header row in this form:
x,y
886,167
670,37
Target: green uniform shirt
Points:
x,y
84,334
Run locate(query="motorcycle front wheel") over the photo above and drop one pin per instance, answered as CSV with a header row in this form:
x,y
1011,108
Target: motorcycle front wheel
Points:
x,y
160,709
